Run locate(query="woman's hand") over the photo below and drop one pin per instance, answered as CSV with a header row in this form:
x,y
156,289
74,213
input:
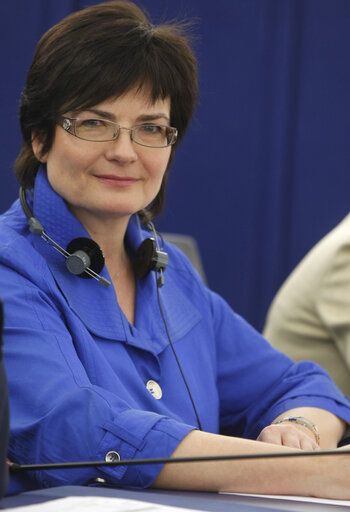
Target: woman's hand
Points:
x,y
289,434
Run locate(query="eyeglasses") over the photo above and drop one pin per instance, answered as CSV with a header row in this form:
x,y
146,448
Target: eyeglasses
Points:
x,y
100,130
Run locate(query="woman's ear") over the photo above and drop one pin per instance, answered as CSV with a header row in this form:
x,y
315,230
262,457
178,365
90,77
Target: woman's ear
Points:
x,y
37,147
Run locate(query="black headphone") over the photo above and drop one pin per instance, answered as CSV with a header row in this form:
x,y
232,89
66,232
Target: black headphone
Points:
x,y
84,257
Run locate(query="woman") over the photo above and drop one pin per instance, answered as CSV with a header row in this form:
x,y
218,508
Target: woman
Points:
x,y
135,369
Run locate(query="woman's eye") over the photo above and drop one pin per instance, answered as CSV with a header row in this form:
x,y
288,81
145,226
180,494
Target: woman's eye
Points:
x,y
151,128
90,123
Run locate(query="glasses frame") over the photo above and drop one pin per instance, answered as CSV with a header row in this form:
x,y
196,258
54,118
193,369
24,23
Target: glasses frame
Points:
x,y
68,124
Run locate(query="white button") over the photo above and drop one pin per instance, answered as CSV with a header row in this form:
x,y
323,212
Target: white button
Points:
x,y
99,480
112,456
154,388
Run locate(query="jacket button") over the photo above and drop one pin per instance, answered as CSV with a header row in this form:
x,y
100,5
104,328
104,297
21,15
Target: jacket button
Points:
x,y
112,456
154,388
98,480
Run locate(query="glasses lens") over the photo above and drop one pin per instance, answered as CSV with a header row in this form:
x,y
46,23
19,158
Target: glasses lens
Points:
x,y
94,129
152,135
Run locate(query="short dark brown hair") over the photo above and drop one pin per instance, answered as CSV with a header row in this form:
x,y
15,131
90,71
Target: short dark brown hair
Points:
x,y
99,53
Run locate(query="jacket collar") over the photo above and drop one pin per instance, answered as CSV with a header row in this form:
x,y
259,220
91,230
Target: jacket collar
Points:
x,y
95,305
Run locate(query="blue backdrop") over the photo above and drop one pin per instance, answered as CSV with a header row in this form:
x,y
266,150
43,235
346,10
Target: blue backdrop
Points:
x,y
264,171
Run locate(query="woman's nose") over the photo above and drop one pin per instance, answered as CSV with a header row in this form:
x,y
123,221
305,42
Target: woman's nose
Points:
x,y
122,148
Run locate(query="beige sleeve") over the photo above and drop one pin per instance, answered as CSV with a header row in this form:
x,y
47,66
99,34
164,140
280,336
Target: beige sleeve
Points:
x,y
309,318
333,303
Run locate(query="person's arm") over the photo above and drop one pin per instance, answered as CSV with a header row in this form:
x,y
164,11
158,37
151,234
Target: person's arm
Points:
x,y
333,301
308,318
327,477
271,388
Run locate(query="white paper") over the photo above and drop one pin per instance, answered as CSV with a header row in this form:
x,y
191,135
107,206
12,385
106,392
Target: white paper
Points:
x,y
309,499
93,503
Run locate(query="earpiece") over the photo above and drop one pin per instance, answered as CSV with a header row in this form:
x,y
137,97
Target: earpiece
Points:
x,y
84,253
149,257
84,257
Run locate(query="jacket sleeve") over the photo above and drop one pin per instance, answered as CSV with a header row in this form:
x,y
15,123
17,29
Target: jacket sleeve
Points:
x,y
57,414
257,382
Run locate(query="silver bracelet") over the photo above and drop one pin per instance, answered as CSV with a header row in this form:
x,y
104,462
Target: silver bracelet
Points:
x,y
301,421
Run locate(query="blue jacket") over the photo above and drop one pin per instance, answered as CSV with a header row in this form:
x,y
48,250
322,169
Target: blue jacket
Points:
x,y
77,370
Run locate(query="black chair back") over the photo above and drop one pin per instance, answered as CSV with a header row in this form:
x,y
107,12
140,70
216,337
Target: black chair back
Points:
x,y
4,417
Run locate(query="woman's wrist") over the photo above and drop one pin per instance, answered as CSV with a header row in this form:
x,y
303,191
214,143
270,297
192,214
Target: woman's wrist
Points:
x,y
301,420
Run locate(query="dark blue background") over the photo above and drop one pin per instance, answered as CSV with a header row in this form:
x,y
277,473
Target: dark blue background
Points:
x,y
264,170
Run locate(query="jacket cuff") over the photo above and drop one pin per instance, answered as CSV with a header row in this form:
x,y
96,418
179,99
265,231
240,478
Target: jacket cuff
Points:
x,y
160,440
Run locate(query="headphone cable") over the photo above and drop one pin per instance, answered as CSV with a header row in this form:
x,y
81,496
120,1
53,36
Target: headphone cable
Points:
x,y
175,355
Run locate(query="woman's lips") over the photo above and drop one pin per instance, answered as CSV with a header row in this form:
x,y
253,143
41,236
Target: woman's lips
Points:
x,y
116,181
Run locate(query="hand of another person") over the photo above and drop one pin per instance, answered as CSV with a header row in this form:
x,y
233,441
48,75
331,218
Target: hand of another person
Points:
x,y
289,434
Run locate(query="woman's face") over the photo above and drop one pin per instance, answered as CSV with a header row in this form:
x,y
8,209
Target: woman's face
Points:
x,y
109,179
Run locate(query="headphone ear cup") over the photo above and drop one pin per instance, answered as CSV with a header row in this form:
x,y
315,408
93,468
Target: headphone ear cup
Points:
x,y
84,253
148,258
145,258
